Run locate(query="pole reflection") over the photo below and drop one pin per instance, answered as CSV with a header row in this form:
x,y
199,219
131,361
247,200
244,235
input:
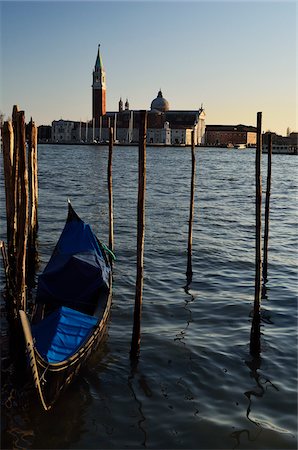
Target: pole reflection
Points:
x,y
261,383
143,384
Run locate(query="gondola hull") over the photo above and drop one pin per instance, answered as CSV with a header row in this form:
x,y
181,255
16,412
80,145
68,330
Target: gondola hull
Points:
x,y
53,366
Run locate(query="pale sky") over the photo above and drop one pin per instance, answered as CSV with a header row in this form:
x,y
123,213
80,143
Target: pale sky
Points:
x,y
237,58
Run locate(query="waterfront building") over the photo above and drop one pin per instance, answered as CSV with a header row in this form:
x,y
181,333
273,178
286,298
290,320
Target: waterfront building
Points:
x,y
281,144
64,131
164,126
71,132
230,135
44,133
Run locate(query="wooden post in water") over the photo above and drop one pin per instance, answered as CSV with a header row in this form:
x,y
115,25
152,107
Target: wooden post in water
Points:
x,y
110,187
8,147
33,199
267,208
191,211
258,261
22,213
255,329
8,255
15,178
20,227
136,335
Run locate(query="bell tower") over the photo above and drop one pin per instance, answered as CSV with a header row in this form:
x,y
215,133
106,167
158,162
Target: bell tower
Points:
x,y
98,90
120,104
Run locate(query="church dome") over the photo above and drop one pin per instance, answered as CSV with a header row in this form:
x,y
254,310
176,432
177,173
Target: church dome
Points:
x,y
160,103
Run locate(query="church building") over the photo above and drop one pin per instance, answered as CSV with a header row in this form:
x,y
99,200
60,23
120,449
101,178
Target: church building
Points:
x,y
164,126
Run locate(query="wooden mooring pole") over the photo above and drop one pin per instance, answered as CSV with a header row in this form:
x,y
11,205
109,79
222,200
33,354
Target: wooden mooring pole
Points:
x,y
110,188
267,208
8,155
136,335
33,198
255,329
23,213
19,226
191,211
15,177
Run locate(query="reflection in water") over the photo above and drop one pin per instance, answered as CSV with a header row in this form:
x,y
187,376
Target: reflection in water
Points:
x,y
144,386
262,383
148,393
67,421
16,429
25,425
255,334
261,386
255,363
237,435
180,336
264,295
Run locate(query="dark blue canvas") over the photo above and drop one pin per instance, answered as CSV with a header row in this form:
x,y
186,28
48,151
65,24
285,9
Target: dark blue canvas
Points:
x,y
76,271
60,334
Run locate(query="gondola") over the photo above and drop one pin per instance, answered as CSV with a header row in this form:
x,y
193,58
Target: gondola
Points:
x,y
71,311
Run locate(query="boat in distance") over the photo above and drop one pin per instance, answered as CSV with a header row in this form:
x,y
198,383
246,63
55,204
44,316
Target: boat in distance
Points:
x,y
71,312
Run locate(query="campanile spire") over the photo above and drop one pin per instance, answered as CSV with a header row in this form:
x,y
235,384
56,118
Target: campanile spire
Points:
x,y
98,90
98,62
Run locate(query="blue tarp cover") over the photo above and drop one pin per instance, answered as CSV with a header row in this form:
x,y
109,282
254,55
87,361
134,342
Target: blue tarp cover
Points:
x,y
60,334
77,237
76,271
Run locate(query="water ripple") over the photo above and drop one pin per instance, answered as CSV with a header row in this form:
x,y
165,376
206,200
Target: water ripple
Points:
x,y
195,385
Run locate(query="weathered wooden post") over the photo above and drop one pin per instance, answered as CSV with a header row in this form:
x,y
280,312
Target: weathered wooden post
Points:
x,y
136,336
33,176
15,177
7,253
8,148
33,197
22,216
110,188
17,211
5,265
108,125
255,329
267,208
191,211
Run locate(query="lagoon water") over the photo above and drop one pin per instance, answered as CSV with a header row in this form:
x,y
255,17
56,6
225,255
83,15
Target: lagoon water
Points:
x,y
196,386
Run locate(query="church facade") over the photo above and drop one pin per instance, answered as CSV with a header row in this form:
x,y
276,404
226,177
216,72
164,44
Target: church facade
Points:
x,y
164,126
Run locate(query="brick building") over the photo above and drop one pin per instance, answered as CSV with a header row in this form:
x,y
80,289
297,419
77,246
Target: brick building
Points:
x,y
230,135
44,133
